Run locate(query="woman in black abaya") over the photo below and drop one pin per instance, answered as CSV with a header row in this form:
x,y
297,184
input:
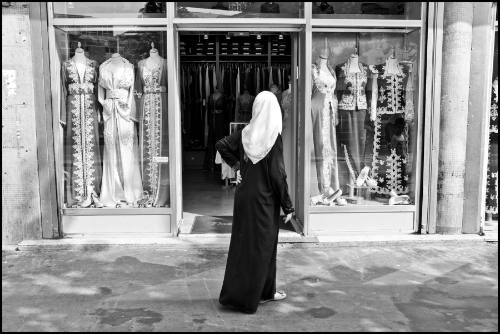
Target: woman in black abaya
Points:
x,y
256,153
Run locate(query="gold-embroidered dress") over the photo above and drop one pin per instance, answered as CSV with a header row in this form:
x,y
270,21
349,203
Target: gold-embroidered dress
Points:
x,y
79,113
151,86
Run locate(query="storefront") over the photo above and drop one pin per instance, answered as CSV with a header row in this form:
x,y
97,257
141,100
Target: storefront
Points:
x,y
141,91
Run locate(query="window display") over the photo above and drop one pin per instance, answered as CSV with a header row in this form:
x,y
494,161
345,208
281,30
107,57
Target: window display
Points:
x,y
240,9
362,109
114,117
109,9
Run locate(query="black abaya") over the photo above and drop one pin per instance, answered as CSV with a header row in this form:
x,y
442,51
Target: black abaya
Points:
x,y
251,265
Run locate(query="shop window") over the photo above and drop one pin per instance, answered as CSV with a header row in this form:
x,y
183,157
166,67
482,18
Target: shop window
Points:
x,y
109,9
366,10
364,109
113,112
240,9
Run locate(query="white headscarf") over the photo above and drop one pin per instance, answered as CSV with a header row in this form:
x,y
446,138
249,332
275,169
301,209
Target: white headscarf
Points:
x,y
259,136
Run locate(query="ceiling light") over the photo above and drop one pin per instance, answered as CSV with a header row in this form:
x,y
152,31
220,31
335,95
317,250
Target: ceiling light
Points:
x,y
280,36
258,36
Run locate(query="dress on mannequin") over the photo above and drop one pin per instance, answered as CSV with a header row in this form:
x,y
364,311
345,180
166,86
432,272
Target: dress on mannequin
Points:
x,y
354,111
151,85
391,132
80,115
324,119
121,179
244,104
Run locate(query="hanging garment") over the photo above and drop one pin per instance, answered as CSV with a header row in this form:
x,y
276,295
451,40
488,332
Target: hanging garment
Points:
x,y
151,84
257,75
250,274
80,115
394,112
492,174
121,180
324,118
206,96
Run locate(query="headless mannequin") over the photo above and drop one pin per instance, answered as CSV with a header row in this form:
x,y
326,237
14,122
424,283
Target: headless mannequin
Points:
x,y
391,65
154,57
80,61
354,62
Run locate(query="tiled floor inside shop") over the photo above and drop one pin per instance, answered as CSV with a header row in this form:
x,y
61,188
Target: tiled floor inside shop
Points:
x,y
208,204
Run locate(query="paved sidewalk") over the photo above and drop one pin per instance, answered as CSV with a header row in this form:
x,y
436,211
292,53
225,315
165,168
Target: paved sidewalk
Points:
x,y
450,286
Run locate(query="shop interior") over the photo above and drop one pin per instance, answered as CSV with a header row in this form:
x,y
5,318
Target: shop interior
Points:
x,y
220,75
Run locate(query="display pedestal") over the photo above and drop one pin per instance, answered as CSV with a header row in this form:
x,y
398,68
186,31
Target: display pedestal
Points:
x,y
358,195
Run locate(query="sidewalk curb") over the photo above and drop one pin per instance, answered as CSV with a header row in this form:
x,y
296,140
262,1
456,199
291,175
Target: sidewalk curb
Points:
x,y
222,241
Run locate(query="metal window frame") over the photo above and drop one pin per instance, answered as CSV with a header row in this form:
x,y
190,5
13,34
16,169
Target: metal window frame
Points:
x,y
305,26
368,25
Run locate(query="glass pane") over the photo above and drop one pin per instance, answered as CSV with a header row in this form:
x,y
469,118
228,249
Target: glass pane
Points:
x,y
492,176
109,9
363,107
113,111
367,10
240,9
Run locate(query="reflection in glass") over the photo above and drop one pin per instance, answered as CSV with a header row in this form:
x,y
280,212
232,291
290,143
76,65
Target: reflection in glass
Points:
x,y
114,117
239,9
363,115
367,10
77,9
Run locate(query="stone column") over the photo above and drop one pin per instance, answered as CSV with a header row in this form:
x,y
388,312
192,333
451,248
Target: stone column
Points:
x,y
455,75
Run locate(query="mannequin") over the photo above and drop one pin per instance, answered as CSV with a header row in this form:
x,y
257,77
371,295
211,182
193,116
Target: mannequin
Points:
x,y
151,85
121,180
244,103
80,60
354,111
217,109
392,118
80,116
324,119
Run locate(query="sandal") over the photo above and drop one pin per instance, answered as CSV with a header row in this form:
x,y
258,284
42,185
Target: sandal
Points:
x,y
278,295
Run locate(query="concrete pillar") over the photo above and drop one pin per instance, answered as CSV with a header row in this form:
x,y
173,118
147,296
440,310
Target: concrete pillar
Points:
x,y
457,41
21,212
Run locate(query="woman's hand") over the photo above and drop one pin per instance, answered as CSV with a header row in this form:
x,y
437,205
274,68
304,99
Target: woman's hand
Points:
x,y
288,217
238,177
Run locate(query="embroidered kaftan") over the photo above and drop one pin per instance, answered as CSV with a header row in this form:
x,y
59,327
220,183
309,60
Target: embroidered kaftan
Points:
x,y
80,115
151,85
121,180
390,164
324,118
355,95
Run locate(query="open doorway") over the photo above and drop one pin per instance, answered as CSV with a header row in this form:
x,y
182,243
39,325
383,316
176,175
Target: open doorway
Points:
x,y
220,75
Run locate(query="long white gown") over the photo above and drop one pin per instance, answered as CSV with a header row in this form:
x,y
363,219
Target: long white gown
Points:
x,y
121,180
